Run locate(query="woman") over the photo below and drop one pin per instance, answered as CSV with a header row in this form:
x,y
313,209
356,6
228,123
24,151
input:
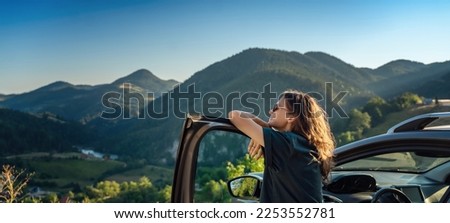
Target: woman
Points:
x,y
297,145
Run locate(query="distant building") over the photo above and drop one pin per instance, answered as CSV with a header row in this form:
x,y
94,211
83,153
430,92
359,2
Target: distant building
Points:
x,y
89,152
37,192
432,101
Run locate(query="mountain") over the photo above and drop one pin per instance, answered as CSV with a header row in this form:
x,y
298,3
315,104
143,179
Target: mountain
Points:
x,y
84,102
229,81
398,67
437,87
252,69
24,133
237,82
3,97
358,77
146,80
247,73
420,78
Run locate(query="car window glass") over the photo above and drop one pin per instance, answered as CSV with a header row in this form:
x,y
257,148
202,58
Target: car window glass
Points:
x,y
398,161
439,124
216,149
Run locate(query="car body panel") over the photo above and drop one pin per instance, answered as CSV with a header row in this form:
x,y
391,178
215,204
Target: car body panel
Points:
x,y
194,128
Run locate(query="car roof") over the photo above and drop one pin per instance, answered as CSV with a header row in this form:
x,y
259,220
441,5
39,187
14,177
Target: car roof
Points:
x,y
415,128
421,122
415,131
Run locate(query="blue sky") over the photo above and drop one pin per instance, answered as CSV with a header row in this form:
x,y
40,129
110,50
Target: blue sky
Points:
x,y
98,41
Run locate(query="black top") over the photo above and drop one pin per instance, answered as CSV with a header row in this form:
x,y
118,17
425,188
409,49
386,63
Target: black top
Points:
x,y
291,172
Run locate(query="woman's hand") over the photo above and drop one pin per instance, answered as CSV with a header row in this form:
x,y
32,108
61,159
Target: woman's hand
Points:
x,y
247,124
255,150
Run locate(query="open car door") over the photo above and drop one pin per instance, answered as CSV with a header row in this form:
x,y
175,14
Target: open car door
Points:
x,y
204,141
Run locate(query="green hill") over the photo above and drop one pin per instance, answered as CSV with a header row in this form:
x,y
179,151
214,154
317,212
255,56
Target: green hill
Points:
x,y
23,133
437,87
251,70
83,102
226,82
245,73
398,67
421,79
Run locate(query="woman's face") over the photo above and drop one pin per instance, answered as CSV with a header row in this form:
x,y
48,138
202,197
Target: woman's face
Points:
x,y
278,116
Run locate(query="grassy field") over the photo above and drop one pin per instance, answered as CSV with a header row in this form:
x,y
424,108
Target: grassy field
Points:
x,y
159,176
67,171
64,172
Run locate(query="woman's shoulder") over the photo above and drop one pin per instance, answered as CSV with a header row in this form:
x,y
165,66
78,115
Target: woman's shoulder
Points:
x,y
291,137
299,142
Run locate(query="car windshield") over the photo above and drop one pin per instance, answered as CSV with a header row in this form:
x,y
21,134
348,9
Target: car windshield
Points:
x,y
398,162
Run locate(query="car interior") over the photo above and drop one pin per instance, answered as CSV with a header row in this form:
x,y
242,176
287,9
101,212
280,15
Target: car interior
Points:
x,y
393,177
357,188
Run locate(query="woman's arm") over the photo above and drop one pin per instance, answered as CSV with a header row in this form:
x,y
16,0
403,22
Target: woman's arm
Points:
x,y
249,124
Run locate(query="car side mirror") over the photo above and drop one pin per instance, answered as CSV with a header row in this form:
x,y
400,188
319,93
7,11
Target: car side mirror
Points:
x,y
245,188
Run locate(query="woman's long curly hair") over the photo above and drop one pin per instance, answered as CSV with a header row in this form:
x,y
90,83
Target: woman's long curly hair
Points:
x,y
312,123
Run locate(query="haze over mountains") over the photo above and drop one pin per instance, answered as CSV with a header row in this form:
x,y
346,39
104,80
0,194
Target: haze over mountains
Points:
x,y
427,80
155,140
83,102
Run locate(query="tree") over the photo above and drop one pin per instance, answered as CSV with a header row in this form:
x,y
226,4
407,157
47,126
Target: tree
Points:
x,y
104,190
244,165
407,100
137,192
12,183
214,192
376,108
165,194
51,198
359,121
347,137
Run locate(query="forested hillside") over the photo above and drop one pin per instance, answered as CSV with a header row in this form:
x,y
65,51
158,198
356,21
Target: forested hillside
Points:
x,y
230,83
24,133
56,117
249,72
84,103
426,79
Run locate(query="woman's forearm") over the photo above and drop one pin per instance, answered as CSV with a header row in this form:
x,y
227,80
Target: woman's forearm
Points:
x,y
253,117
260,122
249,124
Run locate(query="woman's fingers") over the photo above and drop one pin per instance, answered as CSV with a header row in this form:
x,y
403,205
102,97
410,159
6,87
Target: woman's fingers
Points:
x,y
255,150
259,154
251,146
